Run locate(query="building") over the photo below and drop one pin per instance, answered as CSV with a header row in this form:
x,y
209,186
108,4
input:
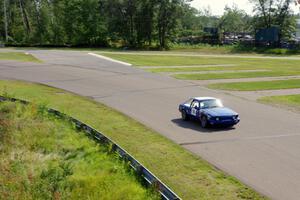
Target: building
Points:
x,y
267,36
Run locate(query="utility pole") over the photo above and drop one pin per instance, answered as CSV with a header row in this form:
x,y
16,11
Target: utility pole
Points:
x,y
5,21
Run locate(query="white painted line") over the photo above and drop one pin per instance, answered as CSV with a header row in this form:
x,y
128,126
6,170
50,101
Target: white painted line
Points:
x,y
110,59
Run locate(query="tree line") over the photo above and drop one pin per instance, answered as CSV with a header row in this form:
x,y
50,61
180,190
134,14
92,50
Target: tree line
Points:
x,y
134,23
131,23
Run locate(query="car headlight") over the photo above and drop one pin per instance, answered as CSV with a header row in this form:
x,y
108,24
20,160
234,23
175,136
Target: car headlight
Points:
x,y
208,117
217,118
235,117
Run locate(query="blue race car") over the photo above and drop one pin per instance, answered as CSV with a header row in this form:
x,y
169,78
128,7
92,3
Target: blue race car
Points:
x,y
210,111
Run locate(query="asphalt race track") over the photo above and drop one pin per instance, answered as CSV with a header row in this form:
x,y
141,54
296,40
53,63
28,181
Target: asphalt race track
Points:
x,y
263,151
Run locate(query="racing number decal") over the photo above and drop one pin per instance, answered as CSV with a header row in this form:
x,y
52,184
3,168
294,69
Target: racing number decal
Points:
x,y
195,106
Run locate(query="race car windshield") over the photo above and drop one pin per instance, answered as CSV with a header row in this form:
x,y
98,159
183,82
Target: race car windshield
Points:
x,y
213,103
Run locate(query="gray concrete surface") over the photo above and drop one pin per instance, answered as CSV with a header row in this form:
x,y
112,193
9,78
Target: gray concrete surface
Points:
x,y
262,151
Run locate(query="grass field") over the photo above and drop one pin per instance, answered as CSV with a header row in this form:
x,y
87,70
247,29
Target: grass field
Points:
x,y
45,158
232,49
235,75
258,85
16,56
146,59
203,68
189,176
273,67
291,102
164,59
212,68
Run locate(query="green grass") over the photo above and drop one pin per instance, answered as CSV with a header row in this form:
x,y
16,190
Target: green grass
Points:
x,y
237,64
291,102
188,175
201,48
20,57
274,67
45,158
235,75
166,60
196,69
232,49
259,85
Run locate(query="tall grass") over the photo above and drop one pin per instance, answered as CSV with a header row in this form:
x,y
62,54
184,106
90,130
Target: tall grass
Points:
x,y
44,158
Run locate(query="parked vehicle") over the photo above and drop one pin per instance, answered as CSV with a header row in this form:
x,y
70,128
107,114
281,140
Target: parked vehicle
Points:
x,y
209,111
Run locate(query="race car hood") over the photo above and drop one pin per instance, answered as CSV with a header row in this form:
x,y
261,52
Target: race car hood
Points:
x,y
219,112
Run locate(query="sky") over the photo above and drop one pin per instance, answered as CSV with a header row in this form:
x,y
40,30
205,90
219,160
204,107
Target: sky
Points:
x,y
217,6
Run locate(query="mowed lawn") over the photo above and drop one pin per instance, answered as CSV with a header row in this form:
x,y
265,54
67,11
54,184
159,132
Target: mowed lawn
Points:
x,y
18,56
188,175
291,102
258,85
272,67
45,158
164,59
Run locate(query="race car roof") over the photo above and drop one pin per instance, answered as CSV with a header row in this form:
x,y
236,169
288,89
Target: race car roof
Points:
x,y
204,98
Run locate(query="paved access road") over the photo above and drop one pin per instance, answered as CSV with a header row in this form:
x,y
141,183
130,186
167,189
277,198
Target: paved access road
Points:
x,y
263,150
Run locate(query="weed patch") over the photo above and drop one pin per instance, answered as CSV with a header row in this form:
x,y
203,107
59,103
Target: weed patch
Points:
x,y
45,158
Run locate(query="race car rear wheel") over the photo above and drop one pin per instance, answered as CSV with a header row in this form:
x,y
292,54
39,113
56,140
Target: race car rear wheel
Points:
x,y
184,116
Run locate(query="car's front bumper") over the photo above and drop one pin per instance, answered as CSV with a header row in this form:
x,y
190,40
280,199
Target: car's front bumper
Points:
x,y
224,122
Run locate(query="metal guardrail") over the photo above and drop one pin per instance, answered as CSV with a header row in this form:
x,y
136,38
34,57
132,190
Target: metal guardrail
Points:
x,y
149,178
